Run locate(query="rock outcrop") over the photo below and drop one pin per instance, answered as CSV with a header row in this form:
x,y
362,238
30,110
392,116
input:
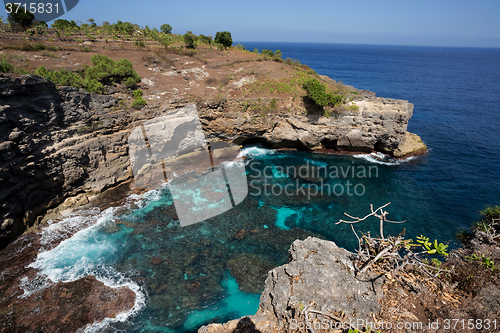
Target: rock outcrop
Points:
x,y
60,147
319,278
52,307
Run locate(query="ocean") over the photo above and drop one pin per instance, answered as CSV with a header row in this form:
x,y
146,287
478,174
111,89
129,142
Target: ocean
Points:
x,y
209,272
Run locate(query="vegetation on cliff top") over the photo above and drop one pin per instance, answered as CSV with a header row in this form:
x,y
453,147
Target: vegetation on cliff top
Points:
x,y
104,71
297,81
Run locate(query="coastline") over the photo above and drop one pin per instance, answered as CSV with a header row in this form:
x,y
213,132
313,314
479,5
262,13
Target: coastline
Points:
x,y
76,154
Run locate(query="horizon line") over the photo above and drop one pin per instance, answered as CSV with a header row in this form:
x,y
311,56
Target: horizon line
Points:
x,y
374,44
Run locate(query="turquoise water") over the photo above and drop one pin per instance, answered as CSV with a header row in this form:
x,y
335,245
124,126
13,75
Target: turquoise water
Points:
x,y
185,277
213,271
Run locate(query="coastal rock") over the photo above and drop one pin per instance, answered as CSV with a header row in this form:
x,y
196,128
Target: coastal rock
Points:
x,y
57,143
320,272
412,145
52,307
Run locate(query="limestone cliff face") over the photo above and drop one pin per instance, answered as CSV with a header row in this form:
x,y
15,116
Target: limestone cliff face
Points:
x,y
66,145
379,123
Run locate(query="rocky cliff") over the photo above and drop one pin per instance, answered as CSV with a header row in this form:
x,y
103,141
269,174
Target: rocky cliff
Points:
x,y
316,286
60,147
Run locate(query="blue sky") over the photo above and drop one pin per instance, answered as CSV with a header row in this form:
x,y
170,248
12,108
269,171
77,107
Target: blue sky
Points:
x,y
392,22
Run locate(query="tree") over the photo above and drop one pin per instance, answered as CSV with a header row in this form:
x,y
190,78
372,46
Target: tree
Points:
x,y
92,22
224,38
189,41
277,54
64,24
19,16
166,28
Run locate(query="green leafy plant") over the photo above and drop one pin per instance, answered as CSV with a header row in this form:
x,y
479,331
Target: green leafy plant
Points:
x,y
317,92
485,261
267,53
434,247
18,15
139,103
93,79
137,93
166,29
6,67
224,38
106,70
189,40
64,24
277,55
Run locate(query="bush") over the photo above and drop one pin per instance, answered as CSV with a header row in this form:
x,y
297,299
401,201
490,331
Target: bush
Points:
x,y
125,28
137,93
166,29
317,92
106,70
64,24
267,53
42,24
224,38
6,67
93,79
205,39
19,16
189,41
62,77
139,103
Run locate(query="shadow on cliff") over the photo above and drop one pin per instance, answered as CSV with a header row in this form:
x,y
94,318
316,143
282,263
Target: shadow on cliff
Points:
x,y
314,111
246,325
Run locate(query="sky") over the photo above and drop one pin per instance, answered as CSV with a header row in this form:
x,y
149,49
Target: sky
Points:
x,y
391,22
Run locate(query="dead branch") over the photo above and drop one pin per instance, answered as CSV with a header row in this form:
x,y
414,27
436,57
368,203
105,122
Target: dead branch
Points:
x,y
382,216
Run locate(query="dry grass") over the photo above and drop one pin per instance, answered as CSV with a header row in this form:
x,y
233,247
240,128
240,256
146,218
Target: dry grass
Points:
x,y
49,54
221,81
13,57
159,58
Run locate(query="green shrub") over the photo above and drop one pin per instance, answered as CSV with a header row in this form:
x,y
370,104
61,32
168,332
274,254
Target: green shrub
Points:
x,y
139,103
93,79
277,55
62,77
93,86
21,71
64,24
491,213
18,15
125,28
224,38
267,53
166,29
337,100
317,92
189,40
205,39
106,70
272,105
137,93
6,67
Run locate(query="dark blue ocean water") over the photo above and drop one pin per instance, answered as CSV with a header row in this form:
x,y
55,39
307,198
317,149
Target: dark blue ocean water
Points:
x,y
456,93
182,274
